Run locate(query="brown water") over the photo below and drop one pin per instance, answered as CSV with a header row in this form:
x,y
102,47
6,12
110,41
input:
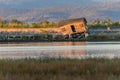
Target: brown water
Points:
x,y
60,49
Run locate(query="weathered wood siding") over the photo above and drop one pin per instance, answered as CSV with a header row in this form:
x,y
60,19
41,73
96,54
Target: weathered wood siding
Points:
x,y
79,28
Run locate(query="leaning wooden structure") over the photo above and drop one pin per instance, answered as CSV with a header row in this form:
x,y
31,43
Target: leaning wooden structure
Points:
x,y
75,28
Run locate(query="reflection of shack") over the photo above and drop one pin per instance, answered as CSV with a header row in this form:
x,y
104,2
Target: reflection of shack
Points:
x,y
75,28
73,52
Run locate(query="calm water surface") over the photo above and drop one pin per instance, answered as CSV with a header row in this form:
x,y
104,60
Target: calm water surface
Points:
x,y
60,49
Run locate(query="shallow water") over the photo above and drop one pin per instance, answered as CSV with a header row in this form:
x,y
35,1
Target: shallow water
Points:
x,y
60,49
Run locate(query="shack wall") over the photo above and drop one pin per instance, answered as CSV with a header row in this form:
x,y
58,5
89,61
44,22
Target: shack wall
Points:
x,y
79,28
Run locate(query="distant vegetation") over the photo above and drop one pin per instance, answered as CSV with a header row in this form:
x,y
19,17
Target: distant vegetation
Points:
x,y
14,23
60,69
103,24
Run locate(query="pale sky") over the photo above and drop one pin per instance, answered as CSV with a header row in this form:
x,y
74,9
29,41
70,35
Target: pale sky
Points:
x,y
24,1
46,3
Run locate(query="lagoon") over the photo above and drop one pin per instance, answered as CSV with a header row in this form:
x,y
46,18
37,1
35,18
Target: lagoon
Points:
x,y
72,50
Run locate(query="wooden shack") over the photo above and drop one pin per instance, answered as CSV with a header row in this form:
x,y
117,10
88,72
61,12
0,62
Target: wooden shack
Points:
x,y
74,27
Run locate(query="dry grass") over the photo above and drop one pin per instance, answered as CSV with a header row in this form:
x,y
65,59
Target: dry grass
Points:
x,y
60,69
38,30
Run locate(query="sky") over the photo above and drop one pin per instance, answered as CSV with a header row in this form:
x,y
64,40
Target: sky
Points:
x,y
46,3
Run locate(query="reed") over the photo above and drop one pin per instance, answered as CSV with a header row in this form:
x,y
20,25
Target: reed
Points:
x,y
60,69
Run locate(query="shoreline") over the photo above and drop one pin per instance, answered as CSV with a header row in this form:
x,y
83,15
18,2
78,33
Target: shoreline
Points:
x,y
105,40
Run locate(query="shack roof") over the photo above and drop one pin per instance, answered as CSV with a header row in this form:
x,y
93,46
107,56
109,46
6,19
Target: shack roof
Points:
x,y
65,22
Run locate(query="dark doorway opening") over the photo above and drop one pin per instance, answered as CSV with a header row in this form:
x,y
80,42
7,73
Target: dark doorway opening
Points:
x,y
73,28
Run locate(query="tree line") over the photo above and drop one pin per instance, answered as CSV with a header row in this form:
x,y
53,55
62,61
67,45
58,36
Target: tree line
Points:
x,y
14,23
104,24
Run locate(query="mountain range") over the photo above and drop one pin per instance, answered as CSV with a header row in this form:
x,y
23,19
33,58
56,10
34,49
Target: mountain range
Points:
x,y
89,10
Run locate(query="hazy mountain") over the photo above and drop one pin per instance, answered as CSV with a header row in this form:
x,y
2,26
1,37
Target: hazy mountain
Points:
x,y
90,11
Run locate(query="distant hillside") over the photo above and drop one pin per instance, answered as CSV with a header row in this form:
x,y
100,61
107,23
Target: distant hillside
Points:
x,y
96,11
28,4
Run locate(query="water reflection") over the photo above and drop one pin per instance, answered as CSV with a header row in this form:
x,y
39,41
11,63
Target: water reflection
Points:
x,y
43,44
60,49
41,52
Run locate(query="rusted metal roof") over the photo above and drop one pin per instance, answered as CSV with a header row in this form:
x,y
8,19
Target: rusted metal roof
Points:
x,y
65,22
